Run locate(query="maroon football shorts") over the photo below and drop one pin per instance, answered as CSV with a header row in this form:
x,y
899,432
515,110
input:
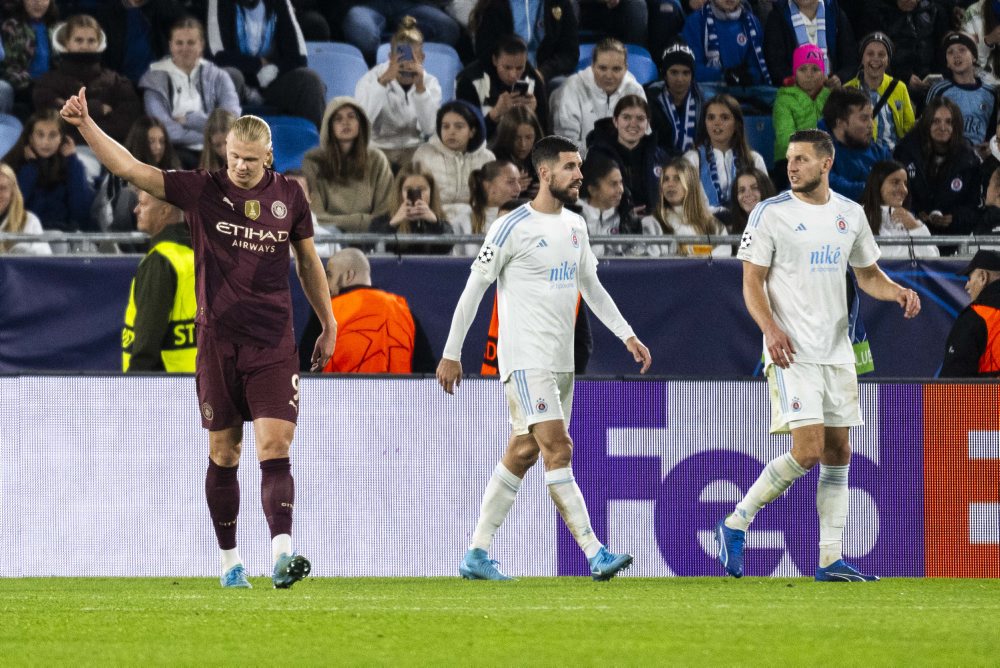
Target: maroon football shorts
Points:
x,y
238,383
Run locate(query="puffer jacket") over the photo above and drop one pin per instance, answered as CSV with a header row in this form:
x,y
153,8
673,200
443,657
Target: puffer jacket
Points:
x,y
451,169
580,102
795,110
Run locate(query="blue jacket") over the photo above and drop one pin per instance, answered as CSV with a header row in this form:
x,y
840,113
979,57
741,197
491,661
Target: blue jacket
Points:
x,y
851,166
66,205
731,52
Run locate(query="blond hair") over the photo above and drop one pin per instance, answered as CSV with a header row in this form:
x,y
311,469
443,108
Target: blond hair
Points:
x,y
694,210
407,33
15,216
252,129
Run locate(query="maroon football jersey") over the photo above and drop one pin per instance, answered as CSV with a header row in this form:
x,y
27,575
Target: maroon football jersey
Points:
x,y
241,249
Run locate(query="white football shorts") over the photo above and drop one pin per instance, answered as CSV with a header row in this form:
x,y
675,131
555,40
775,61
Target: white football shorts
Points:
x,y
806,393
537,395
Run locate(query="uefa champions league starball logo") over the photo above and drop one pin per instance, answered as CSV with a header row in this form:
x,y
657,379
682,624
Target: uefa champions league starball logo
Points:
x,y
486,255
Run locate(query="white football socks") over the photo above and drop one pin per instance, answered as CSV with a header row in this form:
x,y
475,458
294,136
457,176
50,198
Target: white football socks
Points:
x,y
497,500
777,476
280,544
229,558
569,500
832,497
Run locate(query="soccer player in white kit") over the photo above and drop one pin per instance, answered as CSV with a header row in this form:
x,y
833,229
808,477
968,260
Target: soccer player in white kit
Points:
x,y
795,253
541,257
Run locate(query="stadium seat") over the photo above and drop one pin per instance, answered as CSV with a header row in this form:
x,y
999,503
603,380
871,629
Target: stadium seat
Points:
x,y
760,134
640,62
10,130
339,65
440,60
291,137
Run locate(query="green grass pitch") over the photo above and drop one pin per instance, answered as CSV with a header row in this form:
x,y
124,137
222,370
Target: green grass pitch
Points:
x,y
534,621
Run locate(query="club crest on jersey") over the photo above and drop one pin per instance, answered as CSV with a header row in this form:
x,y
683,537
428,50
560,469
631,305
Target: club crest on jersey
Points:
x,y
251,209
796,405
841,225
278,209
541,406
741,39
207,411
575,240
956,184
486,255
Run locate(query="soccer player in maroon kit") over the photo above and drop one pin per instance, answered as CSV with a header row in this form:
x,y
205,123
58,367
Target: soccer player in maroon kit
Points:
x,y
243,220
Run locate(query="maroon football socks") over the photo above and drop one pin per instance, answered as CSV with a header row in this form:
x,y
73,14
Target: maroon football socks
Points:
x,y
222,490
277,494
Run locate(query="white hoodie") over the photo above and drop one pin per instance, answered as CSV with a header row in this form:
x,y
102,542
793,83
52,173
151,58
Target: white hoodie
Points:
x,y
400,118
451,169
580,102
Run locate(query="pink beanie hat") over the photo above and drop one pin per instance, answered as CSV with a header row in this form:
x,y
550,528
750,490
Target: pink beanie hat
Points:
x,y
807,53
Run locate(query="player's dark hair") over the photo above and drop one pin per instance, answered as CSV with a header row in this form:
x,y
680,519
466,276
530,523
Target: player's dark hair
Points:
x,y
841,104
511,45
871,198
547,149
820,140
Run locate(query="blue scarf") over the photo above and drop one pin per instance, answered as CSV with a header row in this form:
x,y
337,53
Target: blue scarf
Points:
x,y
802,35
683,133
712,53
267,36
709,172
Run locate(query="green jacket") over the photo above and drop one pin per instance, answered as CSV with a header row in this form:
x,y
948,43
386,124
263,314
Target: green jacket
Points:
x,y
794,110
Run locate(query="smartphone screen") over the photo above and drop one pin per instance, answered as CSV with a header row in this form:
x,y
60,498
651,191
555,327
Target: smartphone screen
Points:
x,y
404,52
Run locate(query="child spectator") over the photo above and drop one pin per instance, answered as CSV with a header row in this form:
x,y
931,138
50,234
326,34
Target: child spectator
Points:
x,y
676,102
27,48
883,200
548,27
15,219
721,150
750,187
592,93
458,148
507,82
626,138
399,97
607,207
183,89
350,180
51,177
490,186
683,210
259,43
820,23
977,100
799,103
847,116
415,208
727,41
213,150
890,99
517,134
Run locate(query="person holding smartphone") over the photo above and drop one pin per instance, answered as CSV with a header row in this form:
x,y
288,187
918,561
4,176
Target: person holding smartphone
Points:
x,y
508,81
415,208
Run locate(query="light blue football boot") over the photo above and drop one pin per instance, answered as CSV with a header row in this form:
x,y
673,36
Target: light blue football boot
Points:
x,y
606,564
236,577
289,569
477,565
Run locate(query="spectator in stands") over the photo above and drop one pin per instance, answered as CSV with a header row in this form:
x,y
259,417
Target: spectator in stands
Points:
x,y
52,179
491,185
159,320
973,345
676,102
727,41
884,201
977,100
376,332
399,97
987,218
213,149
259,43
458,148
517,134
350,180
820,23
625,20
137,33
324,237
607,207
683,210
114,204
848,117
982,22
79,43
916,28
666,21
415,208
799,103
507,82
182,90
365,22
592,93
6,90
889,96
548,27
721,150
991,159
750,187
27,48
625,137
943,170
15,219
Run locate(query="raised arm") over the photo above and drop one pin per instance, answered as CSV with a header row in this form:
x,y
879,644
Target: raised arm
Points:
x,y
112,155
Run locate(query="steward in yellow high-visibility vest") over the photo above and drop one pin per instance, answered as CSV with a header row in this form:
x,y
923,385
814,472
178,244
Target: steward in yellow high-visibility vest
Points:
x,y
159,319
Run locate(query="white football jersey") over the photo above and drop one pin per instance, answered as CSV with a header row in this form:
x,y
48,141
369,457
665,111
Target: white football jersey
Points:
x,y
537,259
808,248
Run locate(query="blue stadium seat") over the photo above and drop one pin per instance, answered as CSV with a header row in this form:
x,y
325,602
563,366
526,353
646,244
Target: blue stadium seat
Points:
x,y
440,60
291,137
339,65
640,62
10,130
760,134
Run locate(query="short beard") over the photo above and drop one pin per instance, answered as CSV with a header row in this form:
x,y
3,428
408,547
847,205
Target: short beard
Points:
x,y
562,194
809,186
851,142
